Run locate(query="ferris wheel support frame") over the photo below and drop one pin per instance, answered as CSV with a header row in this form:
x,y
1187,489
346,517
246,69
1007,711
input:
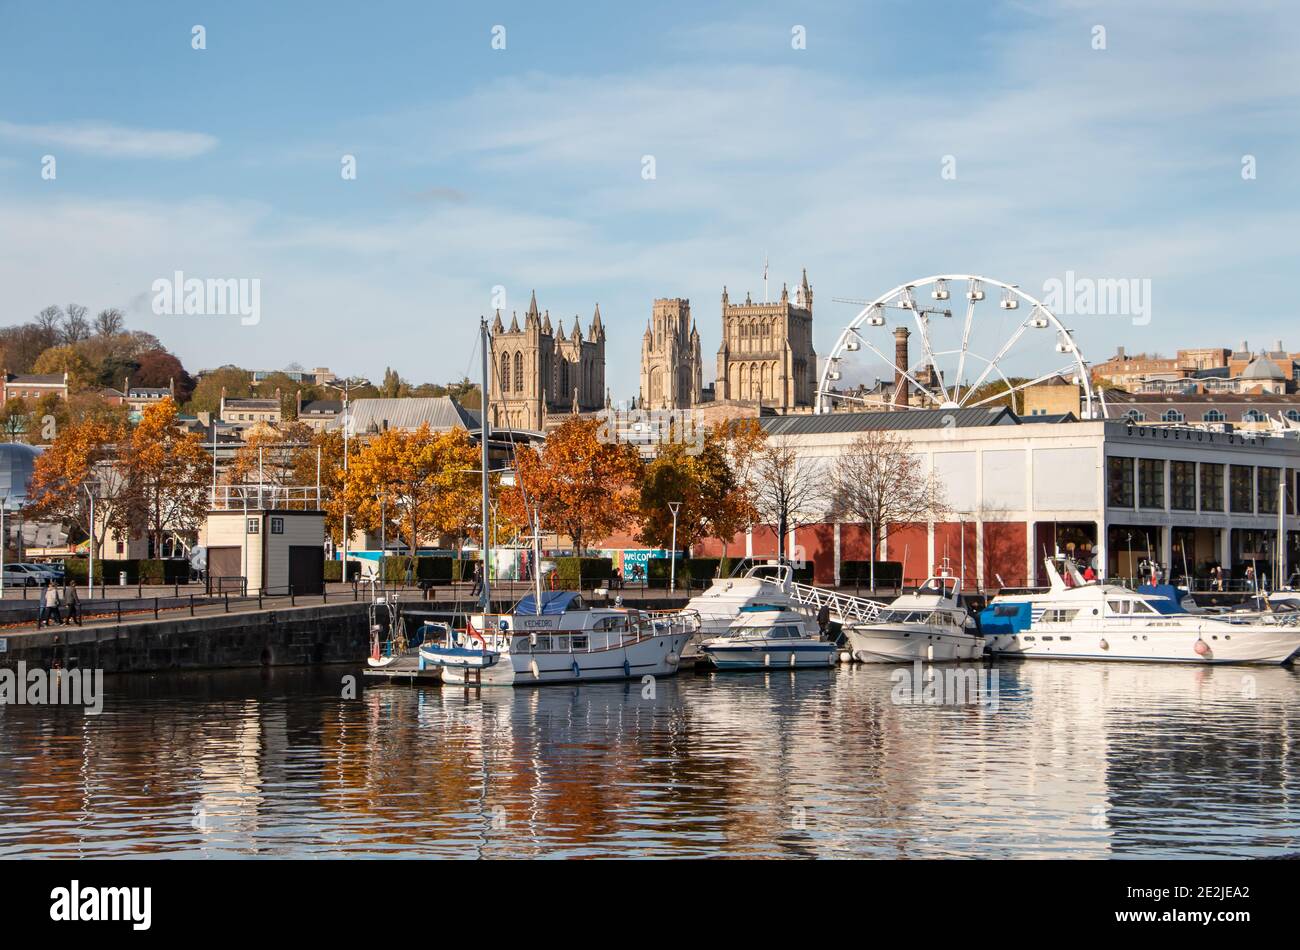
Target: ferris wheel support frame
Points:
x,y
903,297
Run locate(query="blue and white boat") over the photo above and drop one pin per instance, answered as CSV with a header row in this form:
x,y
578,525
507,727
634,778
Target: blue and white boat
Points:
x,y
1092,620
768,636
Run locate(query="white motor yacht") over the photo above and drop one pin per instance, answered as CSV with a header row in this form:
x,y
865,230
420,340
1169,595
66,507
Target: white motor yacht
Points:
x,y
928,624
1092,620
719,606
769,636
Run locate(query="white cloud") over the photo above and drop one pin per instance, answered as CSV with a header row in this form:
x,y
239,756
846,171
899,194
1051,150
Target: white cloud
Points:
x,y
111,141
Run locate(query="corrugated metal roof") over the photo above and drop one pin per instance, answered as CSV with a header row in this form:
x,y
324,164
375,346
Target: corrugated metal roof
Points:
x,y
900,419
440,412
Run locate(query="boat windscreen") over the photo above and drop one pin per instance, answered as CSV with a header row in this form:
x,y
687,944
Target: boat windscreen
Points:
x,y
553,602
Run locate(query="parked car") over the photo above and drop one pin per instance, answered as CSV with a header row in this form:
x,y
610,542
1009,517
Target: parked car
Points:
x,y
51,570
24,575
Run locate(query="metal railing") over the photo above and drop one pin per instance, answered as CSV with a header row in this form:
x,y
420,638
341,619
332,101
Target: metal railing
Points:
x,y
844,608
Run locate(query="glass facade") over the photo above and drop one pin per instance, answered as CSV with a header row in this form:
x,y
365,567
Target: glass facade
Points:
x,y
1182,486
1119,482
1241,488
1151,483
1211,486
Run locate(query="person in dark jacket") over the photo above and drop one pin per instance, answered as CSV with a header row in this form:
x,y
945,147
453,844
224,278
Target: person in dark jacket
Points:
x,y
824,620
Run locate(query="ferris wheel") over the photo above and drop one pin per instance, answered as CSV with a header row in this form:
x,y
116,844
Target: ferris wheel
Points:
x,y
960,363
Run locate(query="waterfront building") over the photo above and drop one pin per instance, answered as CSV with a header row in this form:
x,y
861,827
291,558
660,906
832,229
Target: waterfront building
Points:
x,y
1108,492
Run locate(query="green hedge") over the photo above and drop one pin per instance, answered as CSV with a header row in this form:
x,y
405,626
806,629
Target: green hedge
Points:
x,y
108,570
571,572
888,573
334,571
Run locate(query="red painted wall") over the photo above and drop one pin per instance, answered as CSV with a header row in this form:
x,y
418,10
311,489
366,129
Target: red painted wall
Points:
x,y
909,544
1004,553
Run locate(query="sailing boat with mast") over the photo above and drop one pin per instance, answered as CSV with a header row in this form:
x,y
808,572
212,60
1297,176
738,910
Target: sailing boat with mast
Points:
x,y
553,636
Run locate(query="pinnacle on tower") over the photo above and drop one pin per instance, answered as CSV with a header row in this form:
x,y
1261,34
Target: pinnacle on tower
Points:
x,y
514,322
532,305
597,328
497,325
546,323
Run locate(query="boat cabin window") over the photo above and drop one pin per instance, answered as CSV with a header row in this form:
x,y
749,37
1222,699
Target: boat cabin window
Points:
x,y
579,641
1118,606
610,623
1142,607
1006,610
543,643
1059,616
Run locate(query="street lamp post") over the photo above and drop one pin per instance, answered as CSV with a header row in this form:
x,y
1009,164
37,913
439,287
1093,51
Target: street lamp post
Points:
x,y
4,541
674,507
345,387
90,574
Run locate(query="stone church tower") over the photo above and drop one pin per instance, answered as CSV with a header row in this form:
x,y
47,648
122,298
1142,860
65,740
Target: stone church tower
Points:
x,y
538,371
670,357
767,351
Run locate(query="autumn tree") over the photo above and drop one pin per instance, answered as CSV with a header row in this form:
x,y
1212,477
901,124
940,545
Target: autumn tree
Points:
x,y
789,492
580,486
269,455
166,468
878,481
422,483
68,359
84,454
326,450
727,464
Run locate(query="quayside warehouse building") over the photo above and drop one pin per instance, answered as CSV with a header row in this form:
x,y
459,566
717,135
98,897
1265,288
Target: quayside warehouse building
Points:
x,y
1109,492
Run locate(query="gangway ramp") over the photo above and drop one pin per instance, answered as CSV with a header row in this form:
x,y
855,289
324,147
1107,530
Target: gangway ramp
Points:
x,y
844,608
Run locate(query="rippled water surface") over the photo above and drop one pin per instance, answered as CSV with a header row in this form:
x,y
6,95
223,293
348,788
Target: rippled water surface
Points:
x,y
1077,759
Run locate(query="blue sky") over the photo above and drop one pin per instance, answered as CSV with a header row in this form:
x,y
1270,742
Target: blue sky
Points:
x,y
522,167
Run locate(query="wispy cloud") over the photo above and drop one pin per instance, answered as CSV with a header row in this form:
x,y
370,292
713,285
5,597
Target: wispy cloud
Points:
x,y
111,141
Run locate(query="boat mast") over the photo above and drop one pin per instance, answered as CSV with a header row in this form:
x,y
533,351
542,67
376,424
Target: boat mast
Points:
x,y
537,558
485,598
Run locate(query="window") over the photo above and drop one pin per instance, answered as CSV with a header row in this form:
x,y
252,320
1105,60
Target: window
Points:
x,y
1211,487
1135,415
1171,415
1182,486
1268,490
1213,415
1241,488
1117,606
1293,415
1142,607
1119,482
254,526
1151,483
277,526
1253,415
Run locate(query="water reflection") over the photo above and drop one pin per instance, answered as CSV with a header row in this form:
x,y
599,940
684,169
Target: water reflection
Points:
x,y
1077,760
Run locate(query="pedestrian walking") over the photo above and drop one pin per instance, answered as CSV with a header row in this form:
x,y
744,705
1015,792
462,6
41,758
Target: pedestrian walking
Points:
x,y
74,605
478,579
49,610
824,620
1250,577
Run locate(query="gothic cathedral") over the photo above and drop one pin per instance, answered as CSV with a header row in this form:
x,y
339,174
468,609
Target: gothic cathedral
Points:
x,y
670,357
538,372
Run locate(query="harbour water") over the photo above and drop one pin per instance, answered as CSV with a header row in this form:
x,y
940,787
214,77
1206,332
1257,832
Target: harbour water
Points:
x,y
1075,760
